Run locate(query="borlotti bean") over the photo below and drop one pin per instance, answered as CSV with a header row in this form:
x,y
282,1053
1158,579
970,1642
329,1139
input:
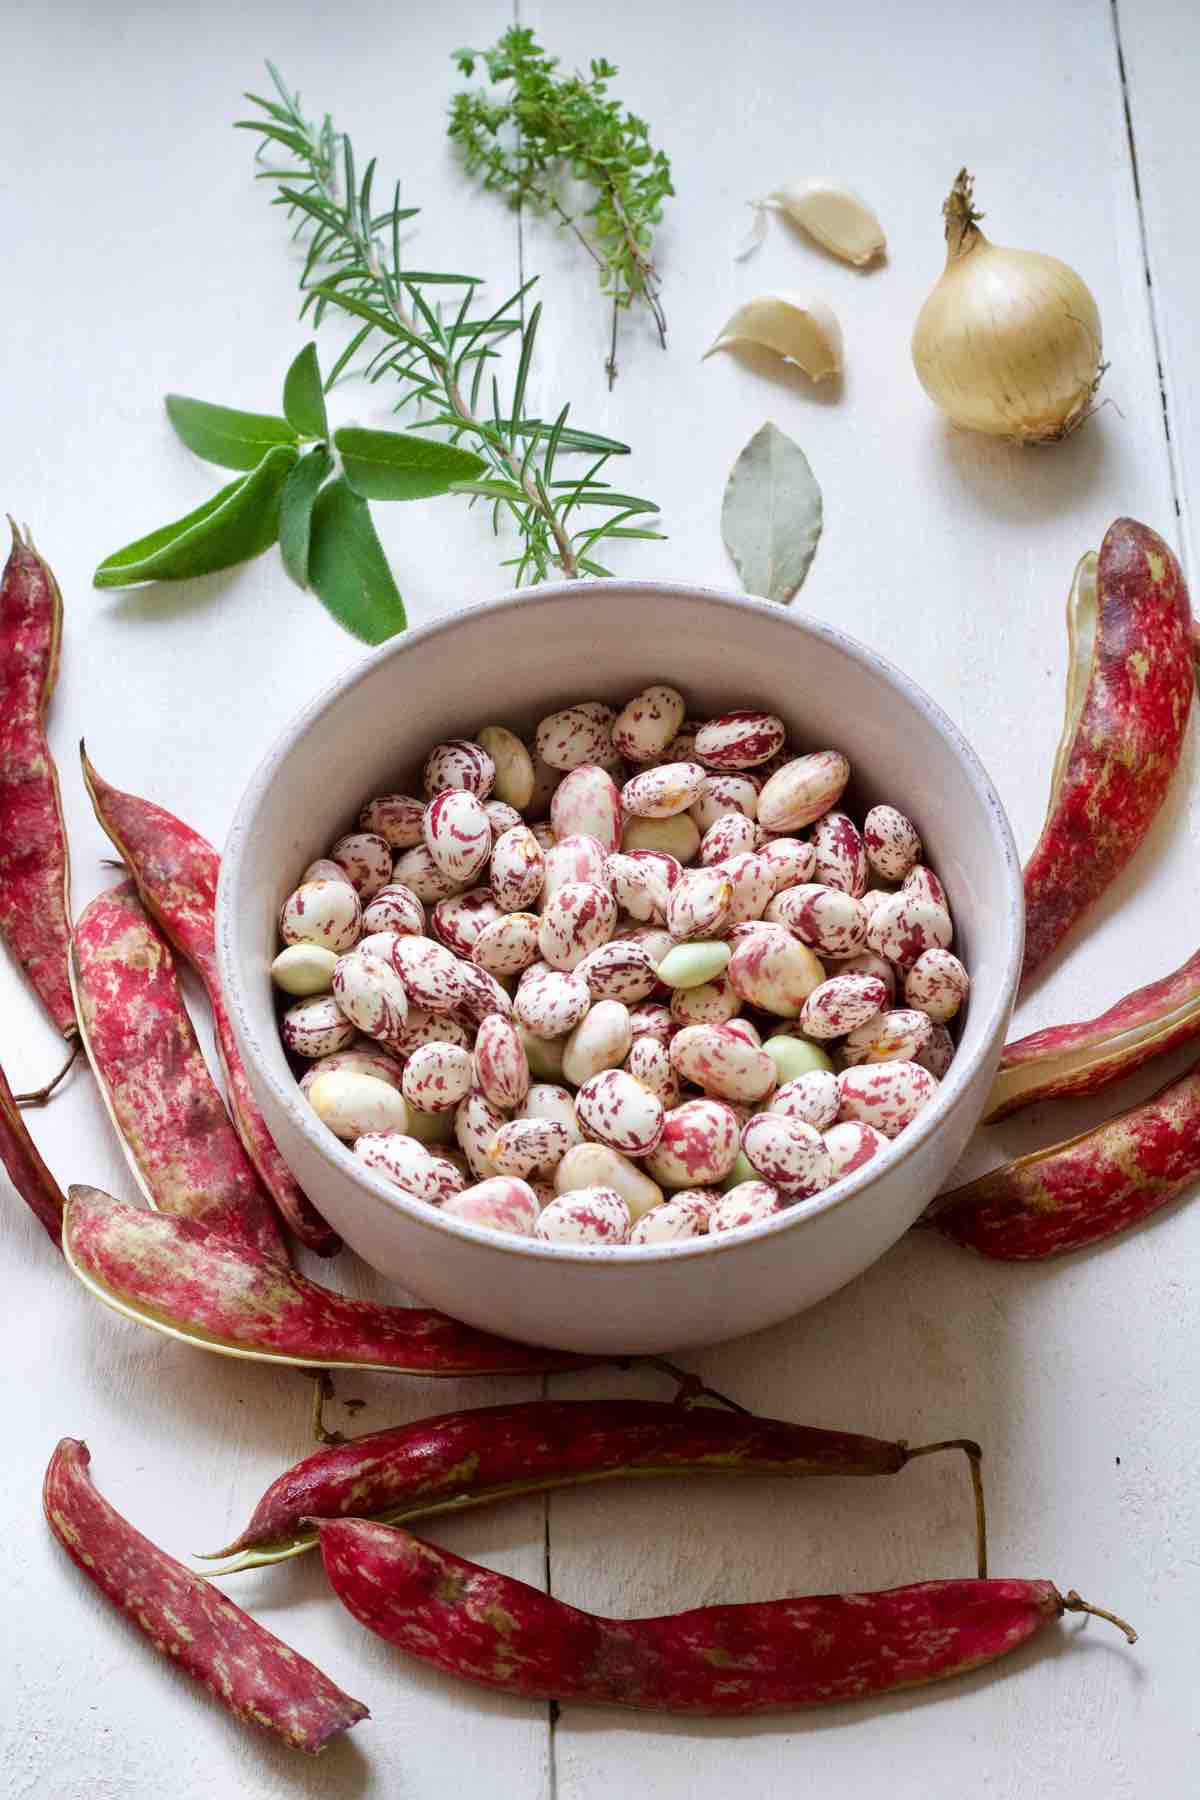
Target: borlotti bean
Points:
x,y
595,1215
396,818
367,861
409,1165
643,978
328,913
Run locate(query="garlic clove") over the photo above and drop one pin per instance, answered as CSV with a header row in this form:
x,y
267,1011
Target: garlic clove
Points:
x,y
750,236
803,332
838,218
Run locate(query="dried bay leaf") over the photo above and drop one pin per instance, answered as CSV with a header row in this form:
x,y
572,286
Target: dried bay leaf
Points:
x,y
771,515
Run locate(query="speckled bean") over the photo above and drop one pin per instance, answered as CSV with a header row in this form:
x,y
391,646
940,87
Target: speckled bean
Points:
x,y
481,994
359,1060
422,1027
578,857
789,861
394,908
522,1146
328,913
622,969
753,885
938,1053
595,1215
685,1215
476,1123
852,1144
577,918
898,1035
351,1103
698,905
406,1162
892,843
712,1003
841,860
643,729
601,1040
802,790
587,803
547,1100
505,1204
518,869
774,972
512,782
501,817
457,834
620,1112
371,995
652,1019
904,927
828,920
417,870
787,1153
459,763
740,740
437,1077
732,835
396,818
867,963
508,945
662,791
430,972
597,1165
722,1062
924,884
316,1027
367,860
745,1204
842,1004
887,1095
937,983
698,1145
649,1062
814,1099
568,739
501,1066
459,920
303,970
551,1002
723,796
324,869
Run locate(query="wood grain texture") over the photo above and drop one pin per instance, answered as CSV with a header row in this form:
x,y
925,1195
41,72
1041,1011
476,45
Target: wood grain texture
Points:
x,y
950,554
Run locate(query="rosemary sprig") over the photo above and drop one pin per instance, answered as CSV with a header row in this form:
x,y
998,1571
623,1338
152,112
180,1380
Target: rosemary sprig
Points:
x,y
354,265
548,125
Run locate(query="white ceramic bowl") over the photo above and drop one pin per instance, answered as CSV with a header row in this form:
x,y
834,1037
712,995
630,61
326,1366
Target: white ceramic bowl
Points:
x,y
511,661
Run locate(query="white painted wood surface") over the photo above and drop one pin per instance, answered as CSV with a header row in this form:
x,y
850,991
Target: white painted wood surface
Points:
x,y
140,257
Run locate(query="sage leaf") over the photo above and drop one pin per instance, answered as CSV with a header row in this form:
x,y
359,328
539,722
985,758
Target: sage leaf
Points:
x,y
771,514
347,568
222,435
239,522
296,508
398,465
304,397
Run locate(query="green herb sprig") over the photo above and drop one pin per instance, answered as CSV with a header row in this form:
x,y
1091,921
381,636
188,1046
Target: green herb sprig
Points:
x,y
548,126
305,487
443,360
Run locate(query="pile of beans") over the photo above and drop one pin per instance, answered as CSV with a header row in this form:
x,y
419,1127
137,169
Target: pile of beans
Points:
x,y
631,983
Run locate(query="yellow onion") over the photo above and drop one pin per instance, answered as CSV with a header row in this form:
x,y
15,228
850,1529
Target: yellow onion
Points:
x,y
1008,342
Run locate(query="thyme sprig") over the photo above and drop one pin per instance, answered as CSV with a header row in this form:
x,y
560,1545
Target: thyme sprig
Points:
x,y
549,125
354,265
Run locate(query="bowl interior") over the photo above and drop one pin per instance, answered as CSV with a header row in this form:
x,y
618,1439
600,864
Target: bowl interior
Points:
x,y
512,661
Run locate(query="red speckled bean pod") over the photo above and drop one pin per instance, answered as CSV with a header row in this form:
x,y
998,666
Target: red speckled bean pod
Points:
x,y
461,1459
1085,1189
251,1672
173,1276
809,1650
26,1170
1079,1059
184,1153
35,873
1129,691
176,874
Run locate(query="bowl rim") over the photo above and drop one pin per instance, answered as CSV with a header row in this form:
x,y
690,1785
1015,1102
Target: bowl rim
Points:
x,y
339,1156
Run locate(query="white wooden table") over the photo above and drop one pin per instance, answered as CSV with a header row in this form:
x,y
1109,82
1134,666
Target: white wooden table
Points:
x,y
140,257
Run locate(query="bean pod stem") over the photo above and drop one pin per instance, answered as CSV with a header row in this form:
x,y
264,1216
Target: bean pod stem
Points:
x,y
465,1459
728,1661
26,1170
254,1675
176,874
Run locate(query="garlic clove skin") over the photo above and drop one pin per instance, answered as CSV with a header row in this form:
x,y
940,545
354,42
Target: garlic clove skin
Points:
x,y
838,218
750,236
804,332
